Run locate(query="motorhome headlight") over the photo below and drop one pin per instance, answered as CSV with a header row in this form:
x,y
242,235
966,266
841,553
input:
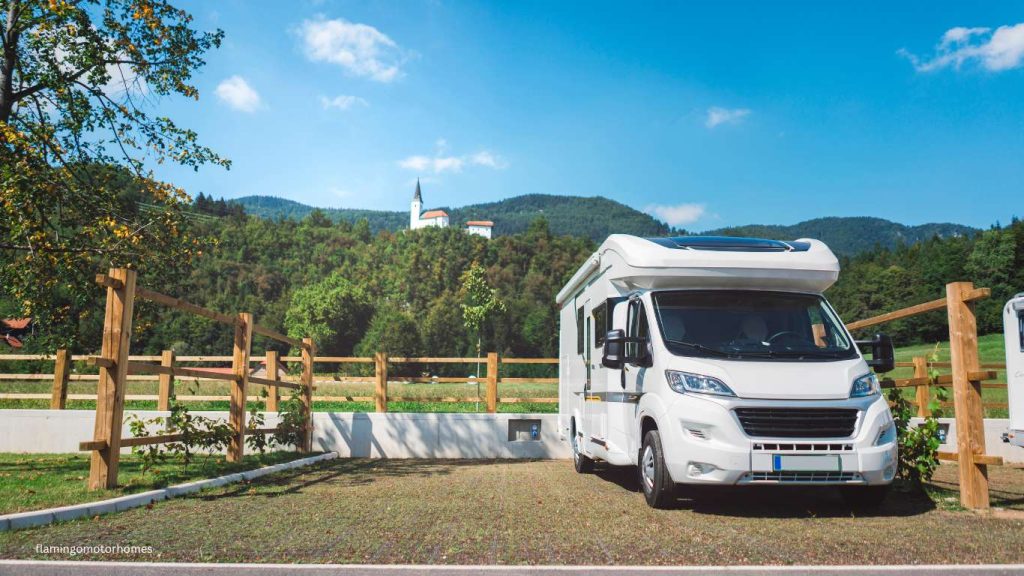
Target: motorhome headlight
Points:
x,y
866,385
683,382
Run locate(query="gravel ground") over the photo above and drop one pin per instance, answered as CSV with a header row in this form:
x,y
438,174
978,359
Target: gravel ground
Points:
x,y
537,512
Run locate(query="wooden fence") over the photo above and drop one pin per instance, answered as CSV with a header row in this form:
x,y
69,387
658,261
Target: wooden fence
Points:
x,y
966,380
380,379
116,365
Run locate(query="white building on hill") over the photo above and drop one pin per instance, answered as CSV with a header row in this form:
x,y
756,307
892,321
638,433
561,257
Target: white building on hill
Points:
x,y
480,227
439,218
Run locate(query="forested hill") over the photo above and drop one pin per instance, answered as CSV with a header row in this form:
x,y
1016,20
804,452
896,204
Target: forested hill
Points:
x,y
852,235
593,218
597,217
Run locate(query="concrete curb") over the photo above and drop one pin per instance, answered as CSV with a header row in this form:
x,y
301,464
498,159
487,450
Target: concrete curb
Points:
x,y
34,518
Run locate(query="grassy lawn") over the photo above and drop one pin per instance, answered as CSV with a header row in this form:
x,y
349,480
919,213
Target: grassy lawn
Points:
x,y
538,512
37,481
990,350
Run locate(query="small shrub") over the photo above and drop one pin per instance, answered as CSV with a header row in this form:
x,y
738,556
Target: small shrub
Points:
x,y
918,447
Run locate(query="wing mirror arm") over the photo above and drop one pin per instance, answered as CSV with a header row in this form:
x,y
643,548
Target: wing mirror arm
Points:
x,y
883,353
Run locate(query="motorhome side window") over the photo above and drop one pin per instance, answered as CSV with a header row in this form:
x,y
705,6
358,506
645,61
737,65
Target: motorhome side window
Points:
x,y
1020,328
600,324
579,330
751,325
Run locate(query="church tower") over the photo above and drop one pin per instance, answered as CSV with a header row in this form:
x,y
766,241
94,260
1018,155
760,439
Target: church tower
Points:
x,y
415,208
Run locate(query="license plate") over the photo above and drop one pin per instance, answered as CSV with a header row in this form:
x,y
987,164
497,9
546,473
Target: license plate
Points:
x,y
802,463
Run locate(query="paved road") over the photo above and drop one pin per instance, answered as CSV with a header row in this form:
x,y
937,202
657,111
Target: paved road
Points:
x,y
32,568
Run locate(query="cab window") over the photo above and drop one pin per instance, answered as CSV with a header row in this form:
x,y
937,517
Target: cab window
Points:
x,y
636,323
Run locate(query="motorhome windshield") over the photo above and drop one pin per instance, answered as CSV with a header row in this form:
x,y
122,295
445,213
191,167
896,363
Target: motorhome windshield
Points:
x,y
750,325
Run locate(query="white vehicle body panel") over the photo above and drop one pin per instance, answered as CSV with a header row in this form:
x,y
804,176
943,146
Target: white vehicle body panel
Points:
x,y
1013,323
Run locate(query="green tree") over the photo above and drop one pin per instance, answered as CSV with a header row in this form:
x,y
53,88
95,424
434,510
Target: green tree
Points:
x,y
392,331
75,194
479,302
333,312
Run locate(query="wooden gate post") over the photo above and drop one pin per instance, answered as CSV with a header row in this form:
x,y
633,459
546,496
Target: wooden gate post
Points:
x,y
272,368
923,395
163,401
380,390
492,382
61,370
239,386
308,352
970,430
110,390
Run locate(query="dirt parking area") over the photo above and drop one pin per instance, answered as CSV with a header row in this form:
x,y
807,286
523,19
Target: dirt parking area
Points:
x,y
539,512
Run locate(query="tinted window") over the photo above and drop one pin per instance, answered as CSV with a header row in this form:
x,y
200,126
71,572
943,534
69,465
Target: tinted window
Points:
x,y
600,324
637,327
1020,328
579,330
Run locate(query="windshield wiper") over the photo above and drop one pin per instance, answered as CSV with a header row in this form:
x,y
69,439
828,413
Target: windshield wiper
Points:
x,y
700,347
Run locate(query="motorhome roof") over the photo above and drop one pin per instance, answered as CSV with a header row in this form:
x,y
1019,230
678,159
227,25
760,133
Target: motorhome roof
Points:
x,y
709,262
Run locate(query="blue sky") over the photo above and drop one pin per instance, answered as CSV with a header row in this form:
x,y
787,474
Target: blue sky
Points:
x,y
706,114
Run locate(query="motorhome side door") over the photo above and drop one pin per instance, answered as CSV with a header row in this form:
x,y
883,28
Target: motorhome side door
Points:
x,y
634,373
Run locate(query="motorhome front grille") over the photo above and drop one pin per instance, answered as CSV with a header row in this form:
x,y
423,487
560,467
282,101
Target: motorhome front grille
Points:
x,y
798,422
802,447
803,477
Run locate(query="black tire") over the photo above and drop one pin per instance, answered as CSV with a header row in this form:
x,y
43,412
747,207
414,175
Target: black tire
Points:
x,y
657,484
864,497
581,462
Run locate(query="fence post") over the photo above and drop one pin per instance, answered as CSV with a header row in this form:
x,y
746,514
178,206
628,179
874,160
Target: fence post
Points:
x,y
240,367
308,351
970,432
492,382
110,390
380,391
61,370
272,368
163,401
923,396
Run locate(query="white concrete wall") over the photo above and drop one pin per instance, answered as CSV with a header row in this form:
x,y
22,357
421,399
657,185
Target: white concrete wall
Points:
x,y
994,445
390,435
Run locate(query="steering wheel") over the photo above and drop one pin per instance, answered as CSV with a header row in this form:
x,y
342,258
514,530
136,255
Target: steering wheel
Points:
x,y
777,335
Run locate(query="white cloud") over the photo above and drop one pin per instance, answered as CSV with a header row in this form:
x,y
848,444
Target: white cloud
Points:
x,y
236,93
342,102
359,48
1002,49
441,161
679,215
718,115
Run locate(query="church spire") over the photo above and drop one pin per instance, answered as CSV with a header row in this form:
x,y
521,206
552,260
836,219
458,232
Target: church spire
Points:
x,y
417,197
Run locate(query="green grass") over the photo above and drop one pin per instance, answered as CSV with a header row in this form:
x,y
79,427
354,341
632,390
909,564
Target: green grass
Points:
x,y
36,481
536,512
990,350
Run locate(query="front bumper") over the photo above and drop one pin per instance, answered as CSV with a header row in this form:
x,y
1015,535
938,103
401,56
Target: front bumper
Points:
x,y
704,443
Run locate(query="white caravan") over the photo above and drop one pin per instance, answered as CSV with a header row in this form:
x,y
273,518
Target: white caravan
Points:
x,y
706,360
1013,334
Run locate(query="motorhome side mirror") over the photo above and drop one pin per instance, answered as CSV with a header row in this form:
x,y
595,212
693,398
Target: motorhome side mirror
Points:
x,y
614,344
883,354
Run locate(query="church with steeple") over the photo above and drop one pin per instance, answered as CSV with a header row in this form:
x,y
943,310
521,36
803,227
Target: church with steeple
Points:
x,y
439,218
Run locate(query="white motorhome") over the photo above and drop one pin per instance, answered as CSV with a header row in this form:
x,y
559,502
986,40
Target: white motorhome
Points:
x,y
1013,335
707,360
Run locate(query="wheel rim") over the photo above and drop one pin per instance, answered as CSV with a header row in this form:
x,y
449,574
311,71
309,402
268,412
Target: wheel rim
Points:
x,y
575,448
647,468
